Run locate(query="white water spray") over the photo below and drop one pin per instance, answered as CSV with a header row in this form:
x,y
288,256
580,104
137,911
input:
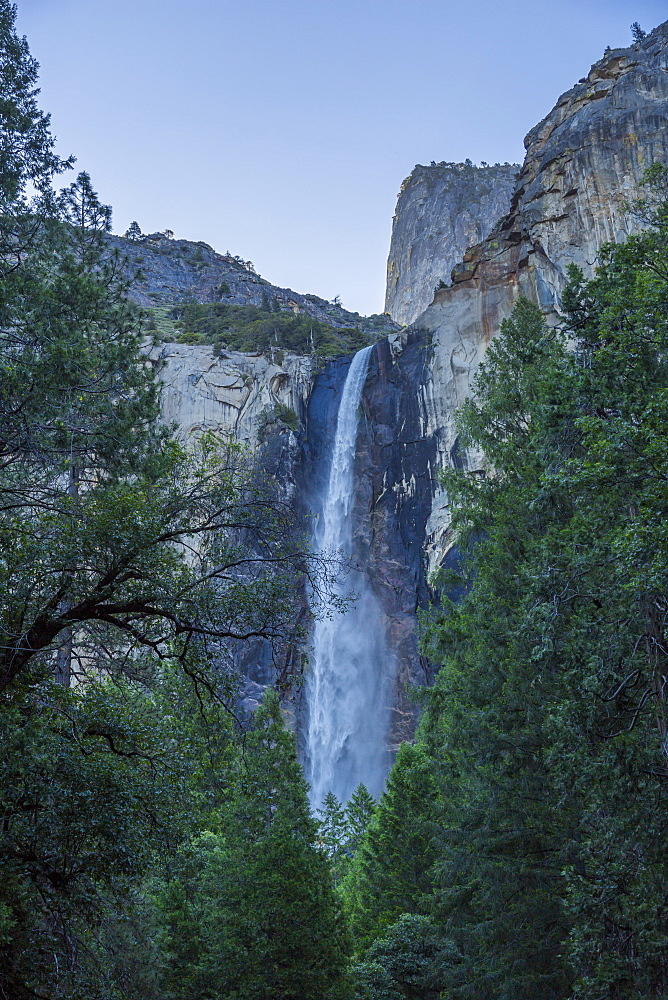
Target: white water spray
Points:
x,y
348,715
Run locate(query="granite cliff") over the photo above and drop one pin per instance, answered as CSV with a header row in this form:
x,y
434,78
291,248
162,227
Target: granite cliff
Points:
x,y
441,210
228,391
583,166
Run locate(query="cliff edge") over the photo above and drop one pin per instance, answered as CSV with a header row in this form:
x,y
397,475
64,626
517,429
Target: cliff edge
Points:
x,y
441,210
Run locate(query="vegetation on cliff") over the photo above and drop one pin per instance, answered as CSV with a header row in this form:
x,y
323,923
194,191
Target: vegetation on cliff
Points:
x,y
262,329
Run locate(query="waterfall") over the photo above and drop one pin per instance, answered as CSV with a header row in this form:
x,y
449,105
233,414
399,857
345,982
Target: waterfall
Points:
x,y
347,703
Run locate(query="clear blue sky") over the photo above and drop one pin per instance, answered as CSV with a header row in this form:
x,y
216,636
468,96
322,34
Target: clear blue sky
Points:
x,y
281,130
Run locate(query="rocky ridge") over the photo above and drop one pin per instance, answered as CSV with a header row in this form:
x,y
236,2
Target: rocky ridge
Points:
x,y
164,271
441,210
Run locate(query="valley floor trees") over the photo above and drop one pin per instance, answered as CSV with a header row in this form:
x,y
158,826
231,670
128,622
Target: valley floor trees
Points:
x,y
251,904
148,848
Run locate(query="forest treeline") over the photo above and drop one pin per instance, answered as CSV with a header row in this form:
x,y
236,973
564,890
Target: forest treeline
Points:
x,y
154,843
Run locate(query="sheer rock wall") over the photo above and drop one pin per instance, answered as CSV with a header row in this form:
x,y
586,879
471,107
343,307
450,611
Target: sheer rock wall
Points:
x,y
583,165
441,211
232,394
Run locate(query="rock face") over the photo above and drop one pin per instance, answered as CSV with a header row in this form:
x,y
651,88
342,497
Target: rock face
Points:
x,y
583,165
245,397
232,394
393,472
441,211
396,469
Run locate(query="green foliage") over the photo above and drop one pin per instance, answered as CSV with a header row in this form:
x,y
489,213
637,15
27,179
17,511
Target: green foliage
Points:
x,y
342,828
253,328
333,827
66,323
97,504
251,911
96,787
637,33
547,727
161,325
133,232
281,413
408,963
359,812
390,873
27,155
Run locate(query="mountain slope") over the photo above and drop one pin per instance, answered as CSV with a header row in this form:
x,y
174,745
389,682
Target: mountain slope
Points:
x,y
167,272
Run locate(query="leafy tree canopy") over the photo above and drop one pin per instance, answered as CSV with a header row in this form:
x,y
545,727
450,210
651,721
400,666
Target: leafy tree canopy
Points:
x,y
126,566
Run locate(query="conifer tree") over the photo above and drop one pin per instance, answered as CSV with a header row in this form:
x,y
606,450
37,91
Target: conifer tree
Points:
x,y
342,829
407,963
96,501
333,834
546,726
359,811
133,232
391,871
259,917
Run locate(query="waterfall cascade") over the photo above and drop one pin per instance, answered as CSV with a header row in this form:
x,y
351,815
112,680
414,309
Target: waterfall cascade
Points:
x,y
347,690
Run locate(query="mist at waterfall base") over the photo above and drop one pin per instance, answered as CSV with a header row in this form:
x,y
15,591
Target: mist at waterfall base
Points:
x,y
347,690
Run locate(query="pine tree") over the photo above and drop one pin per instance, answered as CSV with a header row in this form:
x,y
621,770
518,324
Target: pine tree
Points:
x,y
133,232
27,157
407,963
96,501
333,834
359,811
342,829
261,918
637,33
390,873
81,453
